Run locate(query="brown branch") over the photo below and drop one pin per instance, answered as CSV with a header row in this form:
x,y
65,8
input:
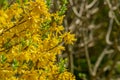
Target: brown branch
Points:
x,y
87,55
109,32
112,12
76,12
61,43
70,56
12,27
116,58
91,4
100,58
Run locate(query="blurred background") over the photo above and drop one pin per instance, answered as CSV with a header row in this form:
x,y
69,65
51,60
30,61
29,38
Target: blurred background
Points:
x,y
96,53
96,24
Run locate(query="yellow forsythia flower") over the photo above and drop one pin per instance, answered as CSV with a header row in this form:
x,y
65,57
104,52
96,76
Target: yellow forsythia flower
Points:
x,y
30,39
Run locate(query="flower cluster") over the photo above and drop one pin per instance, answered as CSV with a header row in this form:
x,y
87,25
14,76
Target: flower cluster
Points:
x,y
30,39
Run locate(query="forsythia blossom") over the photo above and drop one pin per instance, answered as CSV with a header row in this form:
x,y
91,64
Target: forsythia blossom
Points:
x,y
29,42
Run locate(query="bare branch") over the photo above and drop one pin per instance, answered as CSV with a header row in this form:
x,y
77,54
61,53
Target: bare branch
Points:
x,y
113,13
109,32
99,60
87,55
76,12
91,4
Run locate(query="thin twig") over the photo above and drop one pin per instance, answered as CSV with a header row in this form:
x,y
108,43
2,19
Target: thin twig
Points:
x,y
59,44
76,12
91,4
113,13
109,32
87,55
13,26
97,64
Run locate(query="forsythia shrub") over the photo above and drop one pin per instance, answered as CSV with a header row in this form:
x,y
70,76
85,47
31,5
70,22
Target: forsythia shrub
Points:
x,y
30,39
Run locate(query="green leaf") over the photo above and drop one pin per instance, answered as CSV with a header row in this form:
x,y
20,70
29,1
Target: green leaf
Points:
x,y
18,1
15,64
63,7
7,45
3,4
30,64
3,58
61,65
48,3
23,42
82,76
25,1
